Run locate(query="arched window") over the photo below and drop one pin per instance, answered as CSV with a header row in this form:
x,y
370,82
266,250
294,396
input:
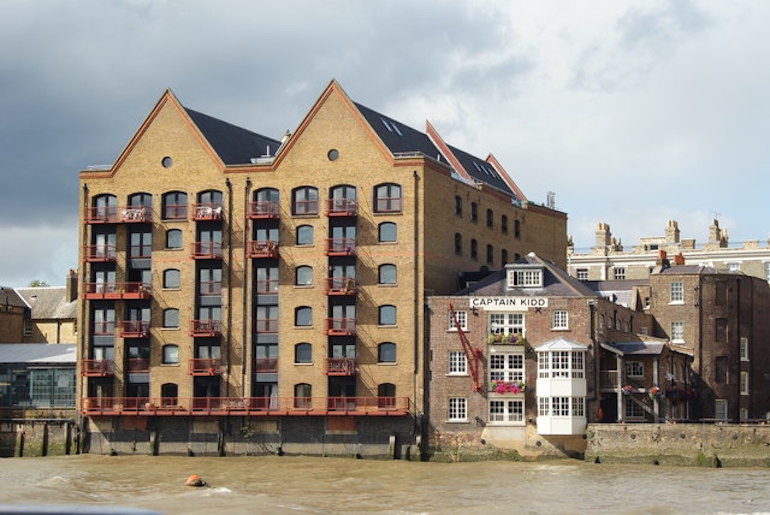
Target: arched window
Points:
x,y
387,315
504,224
490,218
474,212
170,354
140,200
169,392
170,318
386,352
387,198
212,197
386,396
305,235
342,200
517,229
304,201
171,278
174,239
209,206
174,205
474,249
303,353
104,208
490,254
303,316
458,206
387,274
458,244
304,276
303,394
386,232
504,256
265,204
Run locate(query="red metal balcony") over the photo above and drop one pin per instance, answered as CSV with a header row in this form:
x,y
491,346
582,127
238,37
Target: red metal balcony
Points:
x,y
117,291
266,286
204,367
263,209
99,253
341,247
97,367
340,367
387,205
245,406
205,328
104,328
207,250
341,207
266,325
207,212
341,326
210,288
138,365
115,214
266,365
175,212
340,286
135,329
262,249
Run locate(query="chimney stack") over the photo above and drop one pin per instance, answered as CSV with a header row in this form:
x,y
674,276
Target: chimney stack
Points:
x,y
662,260
679,259
71,286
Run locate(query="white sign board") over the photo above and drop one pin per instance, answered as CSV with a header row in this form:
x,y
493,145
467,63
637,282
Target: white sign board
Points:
x,y
508,303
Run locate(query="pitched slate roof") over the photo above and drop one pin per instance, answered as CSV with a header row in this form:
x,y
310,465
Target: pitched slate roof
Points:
x,y
233,144
480,170
62,353
49,303
636,348
9,297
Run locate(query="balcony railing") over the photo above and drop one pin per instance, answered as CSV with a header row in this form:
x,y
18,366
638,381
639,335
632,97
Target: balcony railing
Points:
x,y
266,325
115,214
205,328
340,286
135,329
99,253
262,249
266,365
204,367
341,326
207,250
138,365
245,406
264,209
340,246
97,367
340,367
104,328
266,286
608,378
116,291
387,205
210,288
207,212
175,212
342,207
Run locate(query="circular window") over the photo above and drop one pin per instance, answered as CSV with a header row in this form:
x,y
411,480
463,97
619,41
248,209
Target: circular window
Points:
x,y
167,162
333,154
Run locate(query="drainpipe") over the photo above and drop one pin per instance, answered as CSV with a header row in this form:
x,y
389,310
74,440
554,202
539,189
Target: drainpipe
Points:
x,y
416,286
84,328
229,279
246,365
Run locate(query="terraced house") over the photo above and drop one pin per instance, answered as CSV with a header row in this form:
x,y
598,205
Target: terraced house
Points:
x,y
248,294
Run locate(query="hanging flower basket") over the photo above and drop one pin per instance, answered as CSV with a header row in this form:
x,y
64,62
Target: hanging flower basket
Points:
x,y
507,386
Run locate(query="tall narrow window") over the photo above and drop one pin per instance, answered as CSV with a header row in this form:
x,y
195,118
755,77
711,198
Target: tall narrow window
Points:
x,y
474,249
503,256
517,229
676,292
490,254
458,244
490,218
458,363
504,224
474,212
458,206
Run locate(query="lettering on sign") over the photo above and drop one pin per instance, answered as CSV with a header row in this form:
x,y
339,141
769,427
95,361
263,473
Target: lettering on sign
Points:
x,y
508,303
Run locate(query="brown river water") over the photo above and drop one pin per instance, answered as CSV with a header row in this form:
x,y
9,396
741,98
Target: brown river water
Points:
x,y
338,485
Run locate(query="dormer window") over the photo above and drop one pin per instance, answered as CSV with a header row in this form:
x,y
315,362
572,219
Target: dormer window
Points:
x,y
525,278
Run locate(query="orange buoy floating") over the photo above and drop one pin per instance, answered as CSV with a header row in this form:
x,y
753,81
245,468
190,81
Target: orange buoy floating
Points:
x,y
195,480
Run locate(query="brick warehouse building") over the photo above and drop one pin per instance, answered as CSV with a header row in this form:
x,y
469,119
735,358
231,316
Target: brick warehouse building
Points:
x,y
244,294
539,355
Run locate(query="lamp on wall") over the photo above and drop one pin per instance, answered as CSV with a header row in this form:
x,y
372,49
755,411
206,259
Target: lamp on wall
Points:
x,y
475,310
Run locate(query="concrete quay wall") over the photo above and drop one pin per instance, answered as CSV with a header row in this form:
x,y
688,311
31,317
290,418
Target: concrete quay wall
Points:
x,y
710,445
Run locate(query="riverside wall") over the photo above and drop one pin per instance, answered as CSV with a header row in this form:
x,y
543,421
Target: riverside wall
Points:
x,y
711,445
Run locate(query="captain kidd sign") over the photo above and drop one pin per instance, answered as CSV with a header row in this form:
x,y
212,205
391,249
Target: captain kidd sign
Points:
x,y
508,303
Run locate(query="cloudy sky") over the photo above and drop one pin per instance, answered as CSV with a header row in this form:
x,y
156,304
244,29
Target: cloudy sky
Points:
x,y
633,113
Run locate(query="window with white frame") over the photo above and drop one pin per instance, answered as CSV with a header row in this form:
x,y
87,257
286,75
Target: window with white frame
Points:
x,y
458,364
677,332
744,343
561,406
561,364
525,278
635,368
676,292
458,409
744,383
506,323
506,367
462,319
619,272
506,411
633,409
560,319
720,409
582,274
733,267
